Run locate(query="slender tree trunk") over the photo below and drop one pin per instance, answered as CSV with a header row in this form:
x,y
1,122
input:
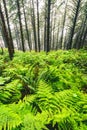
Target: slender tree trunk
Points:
x,y
45,36
5,34
48,26
65,46
84,37
38,26
16,36
26,26
45,28
4,39
57,41
74,25
51,27
34,25
54,31
64,20
20,23
79,36
9,29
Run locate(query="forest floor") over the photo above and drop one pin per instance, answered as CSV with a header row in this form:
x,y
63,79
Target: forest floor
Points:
x,y
40,91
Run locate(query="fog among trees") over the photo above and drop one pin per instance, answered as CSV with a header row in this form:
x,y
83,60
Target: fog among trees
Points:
x,y
43,24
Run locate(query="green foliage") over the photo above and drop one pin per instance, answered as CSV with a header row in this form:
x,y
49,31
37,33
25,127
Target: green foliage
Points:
x,y
10,92
8,119
44,92
37,122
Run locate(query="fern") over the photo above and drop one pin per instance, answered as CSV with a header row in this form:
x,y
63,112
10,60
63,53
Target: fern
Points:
x,y
11,92
8,119
49,100
37,122
64,106
44,92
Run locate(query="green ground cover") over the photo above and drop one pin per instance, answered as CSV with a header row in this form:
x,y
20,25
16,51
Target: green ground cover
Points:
x,y
43,92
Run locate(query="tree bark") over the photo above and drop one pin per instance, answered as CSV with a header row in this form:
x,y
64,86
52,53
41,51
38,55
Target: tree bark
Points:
x,y
84,37
20,23
34,25
26,26
64,20
5,34
48,26
69,46
45,28
9,29
38,26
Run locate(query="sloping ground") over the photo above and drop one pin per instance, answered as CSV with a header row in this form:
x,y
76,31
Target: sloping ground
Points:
x,y
44,92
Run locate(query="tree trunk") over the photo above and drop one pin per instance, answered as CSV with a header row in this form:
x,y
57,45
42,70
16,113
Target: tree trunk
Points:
x,y
64,20
9,29
69,46
5,34
57,41
84,37
51,27
26,26
34,25
53,47
20,23
45,28
48,27
38,26
78,40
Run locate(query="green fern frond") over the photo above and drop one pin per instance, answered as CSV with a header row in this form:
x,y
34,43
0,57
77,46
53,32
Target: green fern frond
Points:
x,y
8,119
11,92
37,122
49,100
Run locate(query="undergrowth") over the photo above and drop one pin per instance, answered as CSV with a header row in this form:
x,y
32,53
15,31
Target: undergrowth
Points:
x,y
41,91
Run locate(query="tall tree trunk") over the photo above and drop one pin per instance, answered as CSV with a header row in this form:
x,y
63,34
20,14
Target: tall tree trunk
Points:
x,y
45,28
51,26
54,31
57,41
34,25
16,36
5,34
9,29
78,40
45,36
38,26
64,20
20,23
48,26
83,34
4,39
84,37
26,26
69,46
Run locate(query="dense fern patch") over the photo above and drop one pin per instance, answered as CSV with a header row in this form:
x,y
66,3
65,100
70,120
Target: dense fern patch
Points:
x,y
41,91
